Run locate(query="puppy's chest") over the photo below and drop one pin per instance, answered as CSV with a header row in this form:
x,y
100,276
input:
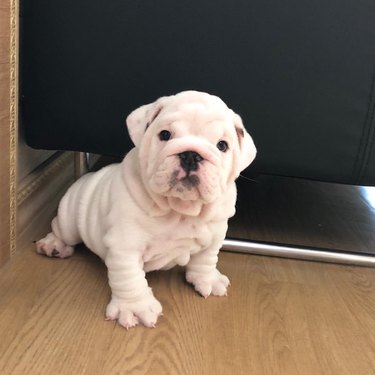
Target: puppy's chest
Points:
x,y
174,245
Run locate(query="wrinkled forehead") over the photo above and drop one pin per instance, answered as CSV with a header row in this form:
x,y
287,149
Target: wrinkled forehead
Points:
x,y
198,111
199,100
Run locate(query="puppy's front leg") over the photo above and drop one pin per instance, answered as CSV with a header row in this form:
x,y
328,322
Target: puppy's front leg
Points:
x,y
201,271
132,299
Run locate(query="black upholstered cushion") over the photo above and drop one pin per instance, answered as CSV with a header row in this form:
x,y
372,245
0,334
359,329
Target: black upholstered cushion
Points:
x,y
299,72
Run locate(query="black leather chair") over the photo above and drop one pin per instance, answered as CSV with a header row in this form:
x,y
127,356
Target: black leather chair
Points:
x,y
300,73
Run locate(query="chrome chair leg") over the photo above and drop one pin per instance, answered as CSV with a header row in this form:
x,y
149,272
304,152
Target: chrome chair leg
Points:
x,y
298,252
81,164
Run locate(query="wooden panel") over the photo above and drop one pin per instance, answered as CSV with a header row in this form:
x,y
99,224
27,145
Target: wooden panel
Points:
x,y
4,131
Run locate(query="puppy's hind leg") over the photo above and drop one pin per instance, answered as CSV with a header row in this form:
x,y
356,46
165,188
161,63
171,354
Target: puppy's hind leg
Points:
x,y
53,245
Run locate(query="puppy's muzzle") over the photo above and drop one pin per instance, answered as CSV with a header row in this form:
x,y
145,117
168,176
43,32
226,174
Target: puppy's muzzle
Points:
x,y
189,161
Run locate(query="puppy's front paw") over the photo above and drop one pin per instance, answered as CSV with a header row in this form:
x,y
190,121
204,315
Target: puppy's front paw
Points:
x,y
215,284
53,246
145,311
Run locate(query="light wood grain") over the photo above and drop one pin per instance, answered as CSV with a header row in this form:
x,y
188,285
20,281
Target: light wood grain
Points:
x,y
280,317
4,131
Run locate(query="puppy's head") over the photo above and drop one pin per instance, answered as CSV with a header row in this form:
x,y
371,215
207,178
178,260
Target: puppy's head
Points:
x,y
191,146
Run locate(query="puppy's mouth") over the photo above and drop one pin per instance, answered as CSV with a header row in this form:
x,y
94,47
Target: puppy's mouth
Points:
x,y
186,179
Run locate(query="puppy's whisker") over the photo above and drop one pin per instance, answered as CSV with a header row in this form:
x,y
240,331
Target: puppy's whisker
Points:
x,y
249,179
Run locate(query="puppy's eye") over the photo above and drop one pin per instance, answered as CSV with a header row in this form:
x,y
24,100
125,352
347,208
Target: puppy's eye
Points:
x,y
222,146
164,135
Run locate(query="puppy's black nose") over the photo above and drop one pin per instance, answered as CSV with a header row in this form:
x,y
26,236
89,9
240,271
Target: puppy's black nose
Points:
x,y
189,160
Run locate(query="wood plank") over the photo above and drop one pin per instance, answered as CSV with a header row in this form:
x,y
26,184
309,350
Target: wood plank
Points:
x,y
4,132
281,317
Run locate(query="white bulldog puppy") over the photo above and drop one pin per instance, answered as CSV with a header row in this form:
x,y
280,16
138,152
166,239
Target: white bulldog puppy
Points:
x,y
166,204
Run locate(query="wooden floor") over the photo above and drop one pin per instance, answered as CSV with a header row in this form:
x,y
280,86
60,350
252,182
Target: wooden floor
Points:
x,y
280,317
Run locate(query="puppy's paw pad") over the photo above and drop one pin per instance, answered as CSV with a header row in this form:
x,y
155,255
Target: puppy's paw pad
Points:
x,y
127,319
112,311
129,314
215,284
53,247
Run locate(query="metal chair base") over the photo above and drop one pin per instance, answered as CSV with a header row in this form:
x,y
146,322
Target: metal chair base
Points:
x,y
81,164
295,252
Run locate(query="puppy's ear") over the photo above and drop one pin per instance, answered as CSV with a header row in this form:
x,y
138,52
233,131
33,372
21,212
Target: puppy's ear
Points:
x,y
248,150
139,120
